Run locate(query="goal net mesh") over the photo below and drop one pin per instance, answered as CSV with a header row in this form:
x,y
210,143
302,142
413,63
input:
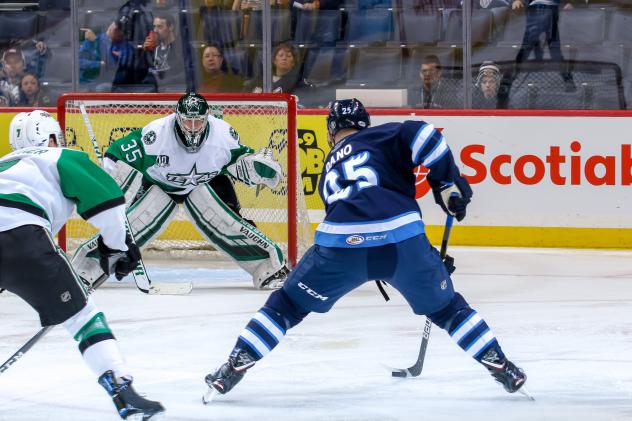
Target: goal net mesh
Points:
x,y
260,123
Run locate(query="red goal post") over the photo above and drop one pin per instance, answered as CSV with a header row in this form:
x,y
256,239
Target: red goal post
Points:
x,y
262,120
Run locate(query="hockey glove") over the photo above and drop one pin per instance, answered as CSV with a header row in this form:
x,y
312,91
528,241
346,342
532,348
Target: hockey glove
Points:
x,y
259,168
453,198
121,263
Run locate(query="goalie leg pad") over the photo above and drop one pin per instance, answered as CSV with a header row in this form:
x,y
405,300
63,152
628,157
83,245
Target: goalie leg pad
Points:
x,y
148,217
128,179
229,232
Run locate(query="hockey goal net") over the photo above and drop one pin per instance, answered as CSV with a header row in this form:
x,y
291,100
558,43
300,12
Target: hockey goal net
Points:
x,y
262,120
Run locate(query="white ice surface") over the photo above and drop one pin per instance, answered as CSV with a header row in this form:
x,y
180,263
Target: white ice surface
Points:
x,y
564,316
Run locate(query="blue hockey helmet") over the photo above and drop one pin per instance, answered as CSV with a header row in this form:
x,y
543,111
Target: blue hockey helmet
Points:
x,y
347,114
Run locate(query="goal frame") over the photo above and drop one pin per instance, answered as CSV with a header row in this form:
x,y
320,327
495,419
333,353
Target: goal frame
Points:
x,y
292,146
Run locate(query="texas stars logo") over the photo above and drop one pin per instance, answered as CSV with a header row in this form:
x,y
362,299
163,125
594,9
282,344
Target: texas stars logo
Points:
x,y
149,137
193,104
193,178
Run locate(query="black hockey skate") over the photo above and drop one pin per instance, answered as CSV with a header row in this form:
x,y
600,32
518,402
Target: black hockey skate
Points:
x,y
223,379
276,280
129,404
505,372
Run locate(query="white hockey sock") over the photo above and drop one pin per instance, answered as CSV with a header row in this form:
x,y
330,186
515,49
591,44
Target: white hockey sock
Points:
x,y
96,341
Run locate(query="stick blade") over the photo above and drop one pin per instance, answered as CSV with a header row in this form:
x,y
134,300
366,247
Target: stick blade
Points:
x,y
171,288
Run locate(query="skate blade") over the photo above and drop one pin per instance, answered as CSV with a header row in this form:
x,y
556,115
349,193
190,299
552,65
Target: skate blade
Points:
x,y
209,396
523,391
144,417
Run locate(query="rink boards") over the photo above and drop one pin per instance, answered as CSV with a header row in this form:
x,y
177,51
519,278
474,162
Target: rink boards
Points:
x,y
540,178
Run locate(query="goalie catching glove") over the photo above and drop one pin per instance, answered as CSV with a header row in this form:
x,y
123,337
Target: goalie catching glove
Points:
x,y
453,198
121,263
259,168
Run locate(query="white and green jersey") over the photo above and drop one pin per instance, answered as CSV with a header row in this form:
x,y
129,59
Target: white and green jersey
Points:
x,y
42,186
160,157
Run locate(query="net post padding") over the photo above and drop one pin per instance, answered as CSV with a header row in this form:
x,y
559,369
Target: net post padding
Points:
x,y
262,120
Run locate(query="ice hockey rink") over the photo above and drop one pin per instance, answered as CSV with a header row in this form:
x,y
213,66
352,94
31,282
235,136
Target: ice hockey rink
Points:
x,y
564,316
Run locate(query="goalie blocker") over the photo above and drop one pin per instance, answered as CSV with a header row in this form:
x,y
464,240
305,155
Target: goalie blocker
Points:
x,y
225,229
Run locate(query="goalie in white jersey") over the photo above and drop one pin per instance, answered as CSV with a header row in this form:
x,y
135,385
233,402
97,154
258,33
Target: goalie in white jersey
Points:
x,y
177,157
40,186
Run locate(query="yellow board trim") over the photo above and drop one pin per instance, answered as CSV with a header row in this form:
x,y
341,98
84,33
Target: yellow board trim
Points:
x,y
610,238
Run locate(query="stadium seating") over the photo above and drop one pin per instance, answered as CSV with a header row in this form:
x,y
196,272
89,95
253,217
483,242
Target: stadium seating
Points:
x,y
619,28
321,28
582,26
54,28
512,31
58,66
54,5
221,26
325,66
281,27
376,67
18,25
369,26
412,28
481,27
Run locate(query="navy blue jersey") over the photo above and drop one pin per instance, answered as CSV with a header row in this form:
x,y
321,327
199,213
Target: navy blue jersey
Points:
x,y
368,186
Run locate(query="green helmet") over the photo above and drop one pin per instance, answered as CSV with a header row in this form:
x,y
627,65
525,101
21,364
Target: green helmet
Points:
x,y
192,121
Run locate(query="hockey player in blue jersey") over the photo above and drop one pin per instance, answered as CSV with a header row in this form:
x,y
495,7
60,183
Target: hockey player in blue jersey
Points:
x,y
373,230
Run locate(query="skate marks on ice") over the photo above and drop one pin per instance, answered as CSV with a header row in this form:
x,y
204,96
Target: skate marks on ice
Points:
x,y
567,333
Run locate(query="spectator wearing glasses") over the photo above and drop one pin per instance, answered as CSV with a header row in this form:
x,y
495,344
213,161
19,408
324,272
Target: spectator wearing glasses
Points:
x,y
433,92
217,76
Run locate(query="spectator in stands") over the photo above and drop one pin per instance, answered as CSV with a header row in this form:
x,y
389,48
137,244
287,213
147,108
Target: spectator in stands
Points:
x,y
246,6
434,92
286,72
168,61
217,76
107,58
13,68
136,20
487,82
32,94
91,56
542,19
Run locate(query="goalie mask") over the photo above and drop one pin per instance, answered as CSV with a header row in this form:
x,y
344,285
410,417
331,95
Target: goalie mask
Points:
x,y
346,114
34,129
192,121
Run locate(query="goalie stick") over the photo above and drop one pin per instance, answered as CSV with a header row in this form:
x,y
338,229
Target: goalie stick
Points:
x,y
415,369
43,331
141,279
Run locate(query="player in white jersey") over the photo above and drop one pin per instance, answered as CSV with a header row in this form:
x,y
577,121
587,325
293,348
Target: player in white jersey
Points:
x,y
178,157
40,186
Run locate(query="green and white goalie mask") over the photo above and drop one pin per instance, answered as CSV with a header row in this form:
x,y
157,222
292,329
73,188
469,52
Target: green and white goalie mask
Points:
x,y
192,124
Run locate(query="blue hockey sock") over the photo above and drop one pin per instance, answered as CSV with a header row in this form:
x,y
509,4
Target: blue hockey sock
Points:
x,y
473,334
264,331
466,328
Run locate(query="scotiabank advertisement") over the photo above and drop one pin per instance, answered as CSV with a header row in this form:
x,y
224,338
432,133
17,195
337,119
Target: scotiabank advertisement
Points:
x,y
552,181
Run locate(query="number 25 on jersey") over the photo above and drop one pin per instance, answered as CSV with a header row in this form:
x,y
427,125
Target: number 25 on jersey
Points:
x,y
354,174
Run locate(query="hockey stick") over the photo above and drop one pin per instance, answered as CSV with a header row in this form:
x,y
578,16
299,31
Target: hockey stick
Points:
x,y
43,331
415,369
141,279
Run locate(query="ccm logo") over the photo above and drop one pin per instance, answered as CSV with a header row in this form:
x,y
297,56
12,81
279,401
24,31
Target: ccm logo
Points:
x,y
312,292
